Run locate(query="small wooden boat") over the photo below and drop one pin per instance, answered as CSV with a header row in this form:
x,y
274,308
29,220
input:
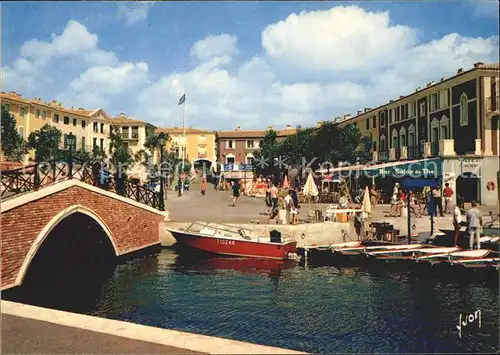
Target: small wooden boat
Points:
x,y
409,254
231,240
360,250
467,254
476,263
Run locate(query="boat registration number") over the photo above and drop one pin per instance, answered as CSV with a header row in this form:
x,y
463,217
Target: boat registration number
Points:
x,y
226,242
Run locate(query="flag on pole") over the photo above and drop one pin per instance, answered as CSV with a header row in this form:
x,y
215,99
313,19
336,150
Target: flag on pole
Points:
x,y
182,99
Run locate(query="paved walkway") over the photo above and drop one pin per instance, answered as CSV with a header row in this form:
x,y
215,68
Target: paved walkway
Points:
x,y
215,207
30,336
30,329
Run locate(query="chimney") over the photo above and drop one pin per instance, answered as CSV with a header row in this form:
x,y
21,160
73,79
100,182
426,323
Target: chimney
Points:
x,y
319,123
401,96
478,64
391,101
347,116
360,112
80,109
270,128
367,109
460,71
237,128
442,79
122,114
289,126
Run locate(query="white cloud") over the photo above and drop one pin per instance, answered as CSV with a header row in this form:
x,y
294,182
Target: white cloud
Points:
x,y
343,38
214,46
313,66
75,42
133,12
112,80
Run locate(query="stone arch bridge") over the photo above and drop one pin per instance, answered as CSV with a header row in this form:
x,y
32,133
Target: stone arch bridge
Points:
x,y
27,219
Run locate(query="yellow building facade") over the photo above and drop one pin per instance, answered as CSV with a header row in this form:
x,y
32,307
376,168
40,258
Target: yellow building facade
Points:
x,y
199,144
91,127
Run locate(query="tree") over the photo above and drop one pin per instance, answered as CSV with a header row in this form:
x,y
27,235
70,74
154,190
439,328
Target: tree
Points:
x,y
13,145
269,151
45,142
120,155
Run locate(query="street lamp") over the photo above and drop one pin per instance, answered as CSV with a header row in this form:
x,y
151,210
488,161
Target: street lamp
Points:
x,y
161,143
71,140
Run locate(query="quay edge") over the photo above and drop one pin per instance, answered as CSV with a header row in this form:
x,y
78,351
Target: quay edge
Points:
x,y
172,338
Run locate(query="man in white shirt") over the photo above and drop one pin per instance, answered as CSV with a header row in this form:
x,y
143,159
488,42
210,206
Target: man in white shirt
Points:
x,y
457,219
474,224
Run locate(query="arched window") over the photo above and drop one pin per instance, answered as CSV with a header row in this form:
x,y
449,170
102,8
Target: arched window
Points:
x,y
444,127
402,137
464,112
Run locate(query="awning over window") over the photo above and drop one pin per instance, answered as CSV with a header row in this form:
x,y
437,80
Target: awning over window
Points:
x,y
427,168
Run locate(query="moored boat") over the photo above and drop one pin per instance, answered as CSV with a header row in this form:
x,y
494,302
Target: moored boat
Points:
x,y
453,256
224,239
409,254
360,250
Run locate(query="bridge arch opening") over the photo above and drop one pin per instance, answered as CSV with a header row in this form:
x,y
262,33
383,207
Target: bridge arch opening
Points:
x,y
72,258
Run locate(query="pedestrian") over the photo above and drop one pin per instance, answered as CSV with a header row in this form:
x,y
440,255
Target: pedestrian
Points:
x,y
269,202
274,196
296,206
474,225
288,205
203,186
438,203
236,192
447,193
457,219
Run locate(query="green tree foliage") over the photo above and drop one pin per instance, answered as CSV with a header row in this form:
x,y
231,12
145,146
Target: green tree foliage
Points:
x,y
13,145
120,154
327,143
45,142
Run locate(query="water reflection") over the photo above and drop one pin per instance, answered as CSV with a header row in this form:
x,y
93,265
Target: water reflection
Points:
x,y
313,309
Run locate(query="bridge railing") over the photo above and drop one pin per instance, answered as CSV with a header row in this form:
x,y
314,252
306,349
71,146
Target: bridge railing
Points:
x,y
38,175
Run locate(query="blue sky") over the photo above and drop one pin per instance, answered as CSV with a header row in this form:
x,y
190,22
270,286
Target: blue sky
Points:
x,y
251,64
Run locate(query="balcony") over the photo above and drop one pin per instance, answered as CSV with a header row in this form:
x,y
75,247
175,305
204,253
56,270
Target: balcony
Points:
x,y
383,156
404,153
414,152
434,148
492,104
133,136
447,147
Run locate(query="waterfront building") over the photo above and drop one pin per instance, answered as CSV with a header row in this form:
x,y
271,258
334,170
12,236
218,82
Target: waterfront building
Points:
x,y
134,132
91,127
454,120
198,146
237,146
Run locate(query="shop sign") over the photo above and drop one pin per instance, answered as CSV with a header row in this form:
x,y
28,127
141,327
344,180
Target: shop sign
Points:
x,y
430,168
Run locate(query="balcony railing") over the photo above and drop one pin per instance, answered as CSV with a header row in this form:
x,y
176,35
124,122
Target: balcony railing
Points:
x,y
434,148
397,153
383,156
415,152
492,103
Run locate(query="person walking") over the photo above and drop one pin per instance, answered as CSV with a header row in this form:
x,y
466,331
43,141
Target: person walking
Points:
x,y
474,224
447,193
288,205
203,186
269,203
274,196
457,219
236,192
438,203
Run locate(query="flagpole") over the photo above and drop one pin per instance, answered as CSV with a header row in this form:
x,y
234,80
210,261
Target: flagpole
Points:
x,y
184,140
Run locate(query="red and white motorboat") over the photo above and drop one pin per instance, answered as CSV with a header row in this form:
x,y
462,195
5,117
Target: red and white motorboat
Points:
x,y
231,240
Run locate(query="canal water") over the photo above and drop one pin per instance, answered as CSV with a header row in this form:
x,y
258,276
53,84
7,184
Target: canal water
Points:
x,y
312,309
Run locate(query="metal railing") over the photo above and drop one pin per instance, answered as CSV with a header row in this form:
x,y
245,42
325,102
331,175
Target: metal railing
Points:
x,y
434,148
33,177
383,156
413,152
